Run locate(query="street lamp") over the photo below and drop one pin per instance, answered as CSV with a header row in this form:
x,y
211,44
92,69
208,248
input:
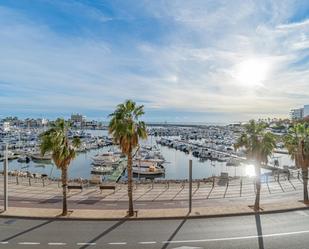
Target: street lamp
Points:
x,y
190,181
5,176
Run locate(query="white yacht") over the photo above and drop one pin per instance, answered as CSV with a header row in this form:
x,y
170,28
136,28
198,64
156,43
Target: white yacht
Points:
x,y
106,159
39,157
145,167
101,170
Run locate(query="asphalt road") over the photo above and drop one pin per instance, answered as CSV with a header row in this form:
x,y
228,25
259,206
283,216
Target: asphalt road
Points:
x,y
282,230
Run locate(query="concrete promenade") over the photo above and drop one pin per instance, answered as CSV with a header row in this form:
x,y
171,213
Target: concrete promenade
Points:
x,y
153,200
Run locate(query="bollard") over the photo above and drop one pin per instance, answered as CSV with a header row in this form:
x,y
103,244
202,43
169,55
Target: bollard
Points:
x,y
17,182
43,182
298,175
168,185
58,184
198,184
213,181
29,179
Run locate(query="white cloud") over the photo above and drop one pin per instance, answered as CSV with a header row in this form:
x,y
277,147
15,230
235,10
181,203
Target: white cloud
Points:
x,y
192,68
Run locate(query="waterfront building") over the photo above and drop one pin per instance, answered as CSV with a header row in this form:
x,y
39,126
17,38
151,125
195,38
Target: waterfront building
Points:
x,y
297,114
306,111
93,124
78,120
6,126
44,122
13,121
33,123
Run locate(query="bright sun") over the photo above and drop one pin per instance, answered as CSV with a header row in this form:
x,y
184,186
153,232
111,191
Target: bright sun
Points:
x,y
252,72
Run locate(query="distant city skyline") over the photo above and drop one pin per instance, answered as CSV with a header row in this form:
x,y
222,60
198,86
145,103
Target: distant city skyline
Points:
x,y
186,61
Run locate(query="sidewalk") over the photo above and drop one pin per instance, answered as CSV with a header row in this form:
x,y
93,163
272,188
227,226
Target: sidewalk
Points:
x,y
214,211
152,201
236,188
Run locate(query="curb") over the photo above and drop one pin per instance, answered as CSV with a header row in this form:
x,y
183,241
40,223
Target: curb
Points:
x,y
68,218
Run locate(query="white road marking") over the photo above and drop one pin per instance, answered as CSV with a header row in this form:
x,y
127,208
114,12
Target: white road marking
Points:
x,y
237,238
56,244
86,244
4,242
147,242
29,243
118,243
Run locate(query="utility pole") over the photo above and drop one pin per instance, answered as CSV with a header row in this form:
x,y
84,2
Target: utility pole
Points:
x,y
190,185
5,176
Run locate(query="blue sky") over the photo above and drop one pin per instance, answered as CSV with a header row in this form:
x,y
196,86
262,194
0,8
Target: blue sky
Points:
x,y
186,61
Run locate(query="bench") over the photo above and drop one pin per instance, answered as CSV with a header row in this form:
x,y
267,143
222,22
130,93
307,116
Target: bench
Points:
x,y
80,187
102,187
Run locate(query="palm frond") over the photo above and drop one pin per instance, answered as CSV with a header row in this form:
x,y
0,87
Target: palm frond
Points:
x,y
125,127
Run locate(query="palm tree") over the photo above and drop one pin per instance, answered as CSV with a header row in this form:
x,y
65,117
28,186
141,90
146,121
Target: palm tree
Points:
x,y
56,141
127,129
297,144
258,145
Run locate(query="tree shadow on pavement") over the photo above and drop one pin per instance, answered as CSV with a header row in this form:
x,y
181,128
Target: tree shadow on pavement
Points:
x,y
27,231
166,244
108,230
259,230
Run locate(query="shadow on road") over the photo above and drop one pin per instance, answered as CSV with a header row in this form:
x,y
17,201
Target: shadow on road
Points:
x,y
28,230
259,230
108,230
174,233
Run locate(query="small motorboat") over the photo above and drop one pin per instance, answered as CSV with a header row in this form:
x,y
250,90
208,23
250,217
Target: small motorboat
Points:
x,y
23,159
101,170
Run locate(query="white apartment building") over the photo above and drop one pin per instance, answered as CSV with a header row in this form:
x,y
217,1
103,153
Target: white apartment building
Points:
x,y
297,114
306,111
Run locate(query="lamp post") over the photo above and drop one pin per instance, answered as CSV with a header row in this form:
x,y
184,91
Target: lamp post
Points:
x,y
190,182
190,185
5,176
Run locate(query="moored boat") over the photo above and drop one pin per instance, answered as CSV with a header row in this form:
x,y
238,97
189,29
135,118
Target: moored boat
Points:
x,y
144,167
40,158
101,170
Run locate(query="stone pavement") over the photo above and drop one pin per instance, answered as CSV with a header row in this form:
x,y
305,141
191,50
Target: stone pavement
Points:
x,y
245,187
153,200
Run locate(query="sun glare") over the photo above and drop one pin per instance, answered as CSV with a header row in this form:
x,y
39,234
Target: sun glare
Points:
x,y
252,72
250,170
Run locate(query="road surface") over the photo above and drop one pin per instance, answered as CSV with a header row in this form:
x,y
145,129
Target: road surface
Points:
x,y
281,230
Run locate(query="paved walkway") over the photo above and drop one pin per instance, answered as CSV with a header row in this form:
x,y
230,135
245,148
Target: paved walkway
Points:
x,y
153,200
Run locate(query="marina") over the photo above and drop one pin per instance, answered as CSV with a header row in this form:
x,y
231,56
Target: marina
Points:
x,y
164,155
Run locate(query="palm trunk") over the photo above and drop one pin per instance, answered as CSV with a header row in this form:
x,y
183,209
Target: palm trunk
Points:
x,y
64,177
305,183
258,187
130,194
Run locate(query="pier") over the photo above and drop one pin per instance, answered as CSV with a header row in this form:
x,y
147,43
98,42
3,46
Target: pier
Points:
x,y
268,166
117,174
